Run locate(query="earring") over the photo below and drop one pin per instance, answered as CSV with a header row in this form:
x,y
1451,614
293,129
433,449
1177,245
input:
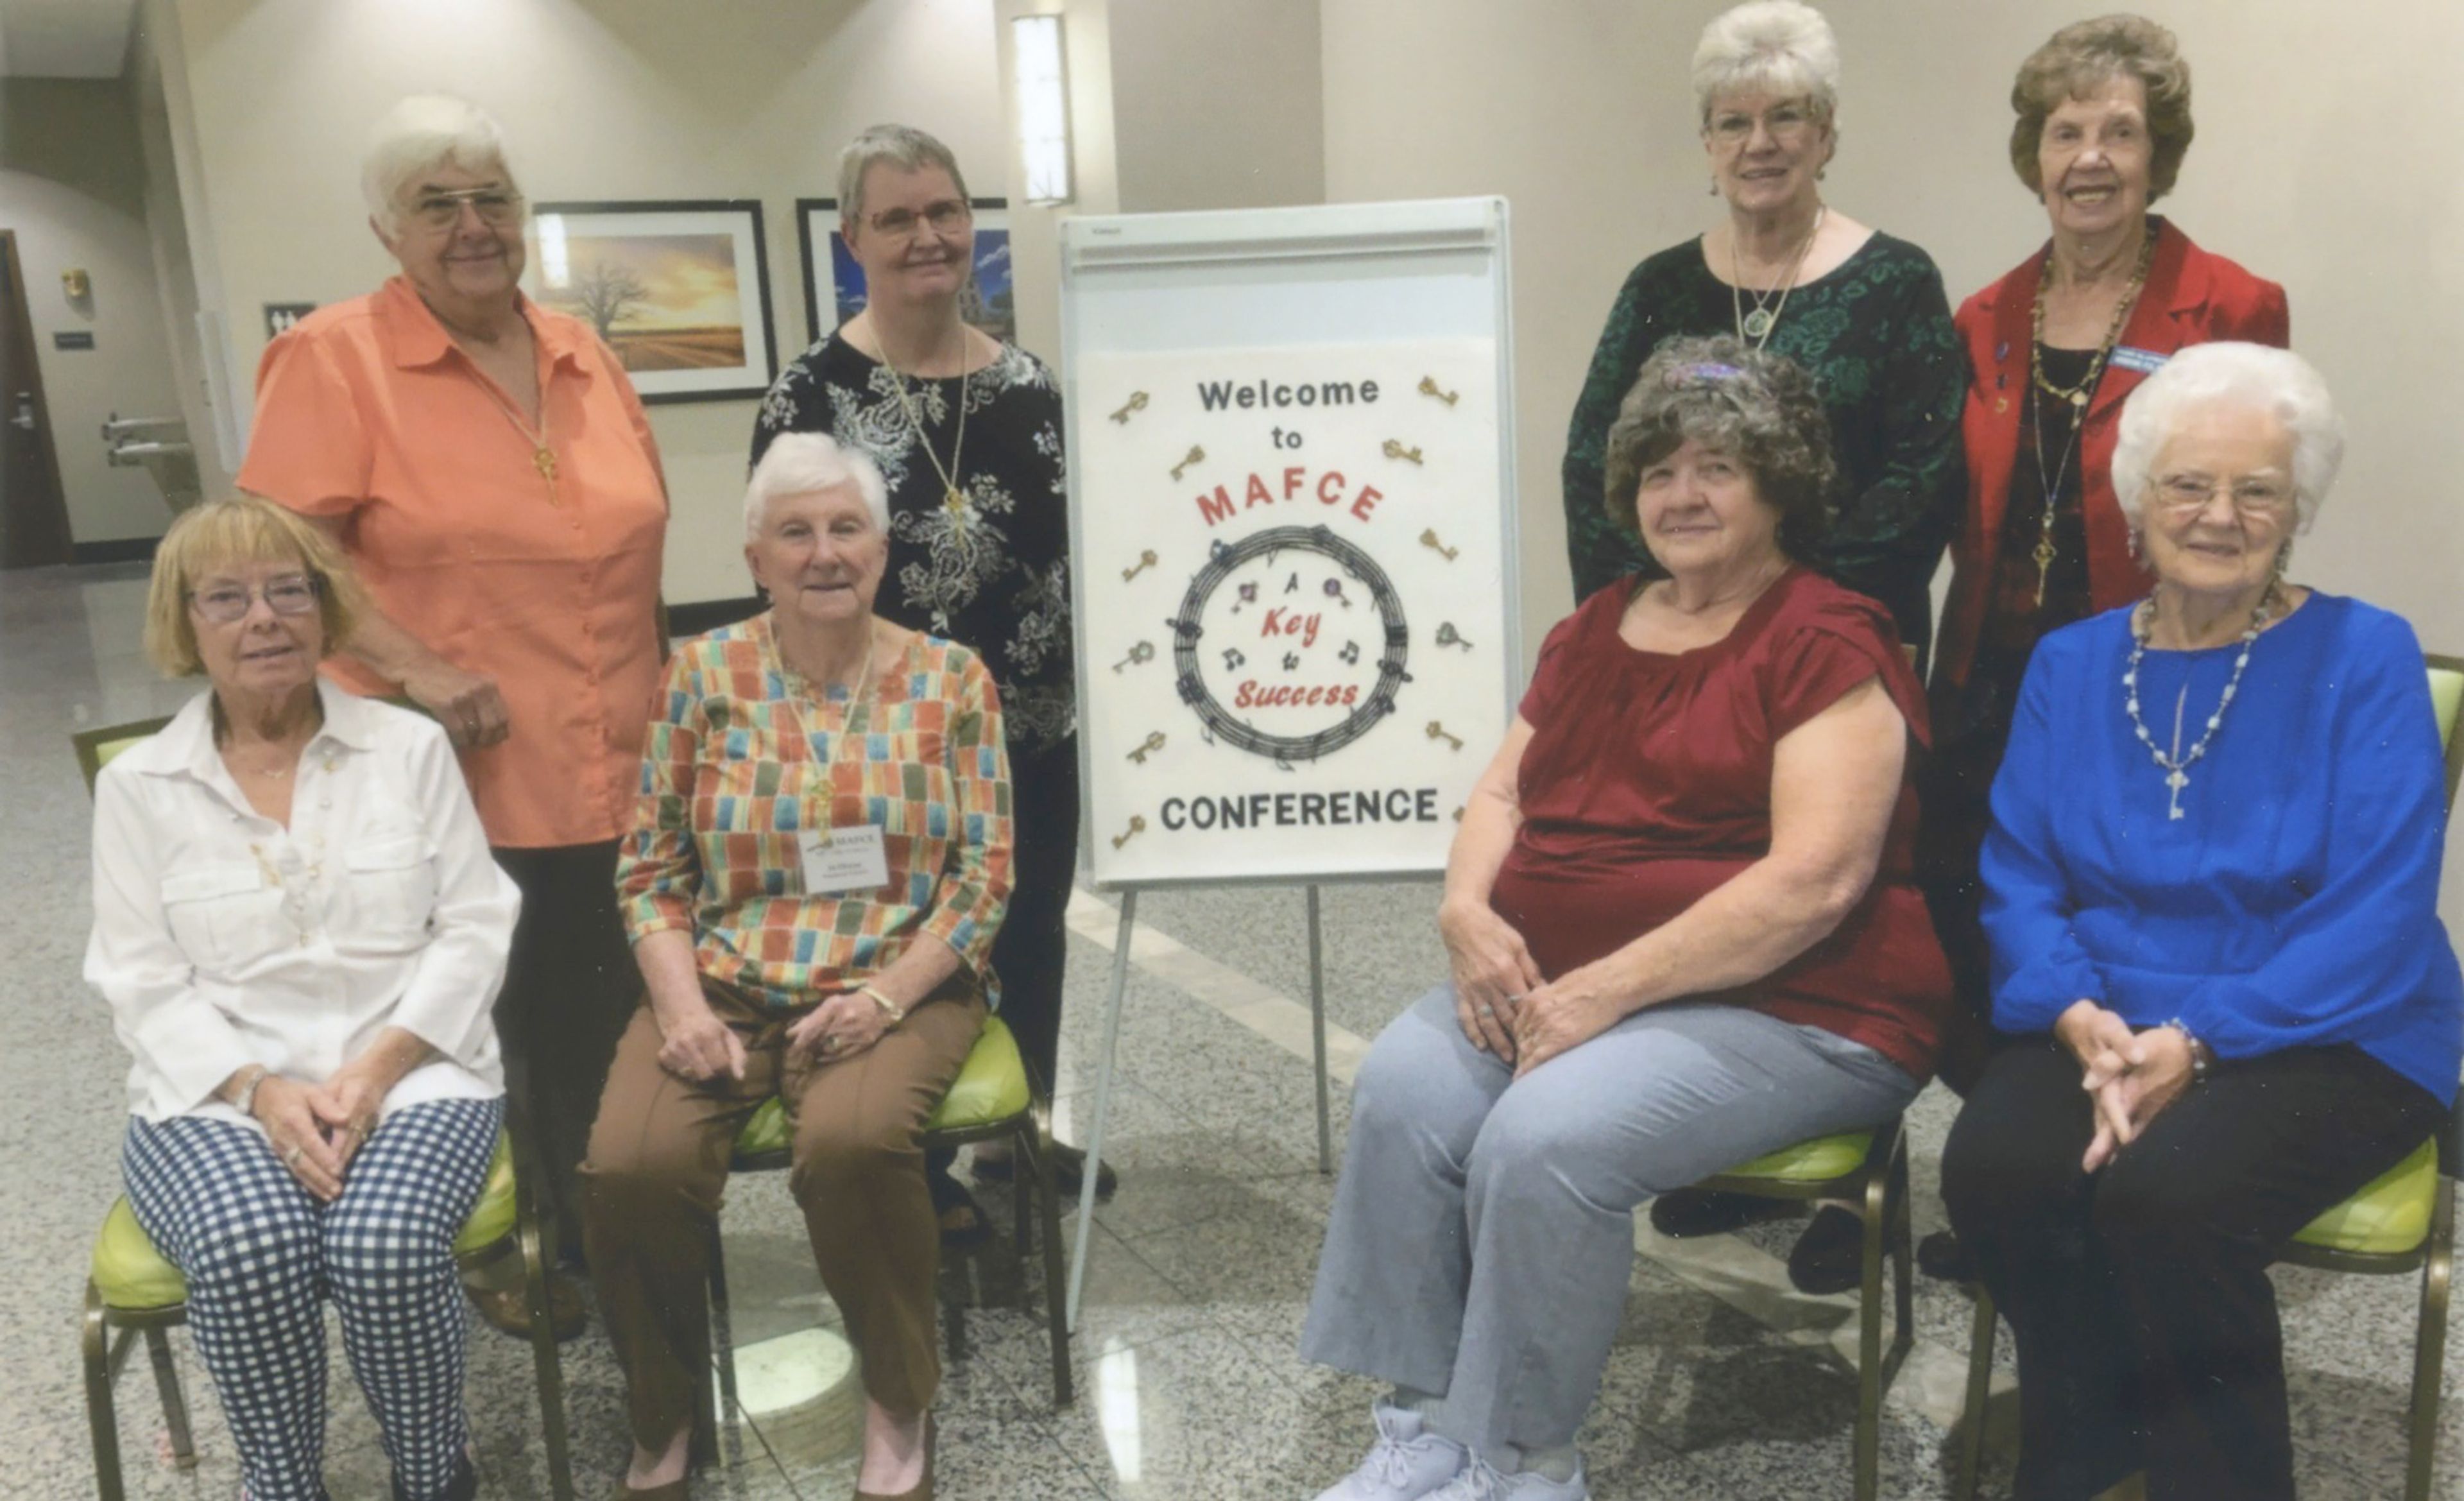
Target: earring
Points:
x,y
2132,537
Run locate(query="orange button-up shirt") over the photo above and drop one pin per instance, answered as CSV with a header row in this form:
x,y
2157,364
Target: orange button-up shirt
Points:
x,y
367,411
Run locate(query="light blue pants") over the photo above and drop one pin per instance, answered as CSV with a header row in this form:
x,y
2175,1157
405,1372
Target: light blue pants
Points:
x,y
1483,1235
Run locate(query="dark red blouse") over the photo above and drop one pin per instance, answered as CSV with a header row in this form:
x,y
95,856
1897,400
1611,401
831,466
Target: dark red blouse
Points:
x,y
1647,784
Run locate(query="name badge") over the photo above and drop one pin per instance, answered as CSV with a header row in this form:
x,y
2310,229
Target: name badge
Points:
x,y
2147,362
843,859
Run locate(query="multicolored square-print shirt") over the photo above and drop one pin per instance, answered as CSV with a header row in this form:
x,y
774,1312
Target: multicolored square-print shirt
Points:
x,y
743,756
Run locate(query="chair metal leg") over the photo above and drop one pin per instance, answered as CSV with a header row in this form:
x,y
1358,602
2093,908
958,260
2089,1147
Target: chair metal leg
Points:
x,y
2429,1346
1022,1197
175,1405
703,1448
1980,1382
1036,1141
95,1340
533,1225
1868,1456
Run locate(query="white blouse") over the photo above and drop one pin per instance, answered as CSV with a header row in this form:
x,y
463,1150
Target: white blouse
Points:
x,y
222,938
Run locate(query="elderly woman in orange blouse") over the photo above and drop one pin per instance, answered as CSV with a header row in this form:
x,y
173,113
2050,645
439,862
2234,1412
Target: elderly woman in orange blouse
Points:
x,y
491,472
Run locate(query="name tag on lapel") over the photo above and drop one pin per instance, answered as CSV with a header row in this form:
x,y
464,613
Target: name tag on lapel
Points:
x,y
2147,362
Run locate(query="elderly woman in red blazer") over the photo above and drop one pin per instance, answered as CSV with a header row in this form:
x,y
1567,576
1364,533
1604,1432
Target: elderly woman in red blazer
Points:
x,y
2053,349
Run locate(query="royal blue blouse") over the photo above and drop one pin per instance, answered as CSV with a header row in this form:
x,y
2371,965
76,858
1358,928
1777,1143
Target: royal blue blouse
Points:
x,y
2294,903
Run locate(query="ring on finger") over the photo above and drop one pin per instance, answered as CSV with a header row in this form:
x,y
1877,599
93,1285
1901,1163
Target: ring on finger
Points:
x,y
1485,1013
291,1158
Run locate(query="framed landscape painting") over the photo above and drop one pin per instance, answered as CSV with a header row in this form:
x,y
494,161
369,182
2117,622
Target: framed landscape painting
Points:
x,y
834,283
680,291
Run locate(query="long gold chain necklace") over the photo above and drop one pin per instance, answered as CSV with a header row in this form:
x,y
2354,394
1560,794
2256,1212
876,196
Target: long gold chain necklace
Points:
x,y
953,498
542,452
1755,327
2076,398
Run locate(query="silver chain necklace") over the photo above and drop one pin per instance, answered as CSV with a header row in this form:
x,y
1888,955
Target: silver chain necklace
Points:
x,y
2177,766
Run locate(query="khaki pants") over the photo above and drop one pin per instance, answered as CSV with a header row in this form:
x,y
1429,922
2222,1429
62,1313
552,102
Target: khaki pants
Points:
x,y
657,1170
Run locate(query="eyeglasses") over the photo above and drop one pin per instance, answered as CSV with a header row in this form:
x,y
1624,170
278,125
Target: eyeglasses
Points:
x,y
442,211
944,217
2253,499
1783,122
225,603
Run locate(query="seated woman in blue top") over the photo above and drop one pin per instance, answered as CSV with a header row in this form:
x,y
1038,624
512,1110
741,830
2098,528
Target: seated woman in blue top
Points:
x,y
2225,995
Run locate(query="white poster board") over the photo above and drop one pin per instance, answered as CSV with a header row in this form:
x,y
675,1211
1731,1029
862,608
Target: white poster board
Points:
x,y
1293,512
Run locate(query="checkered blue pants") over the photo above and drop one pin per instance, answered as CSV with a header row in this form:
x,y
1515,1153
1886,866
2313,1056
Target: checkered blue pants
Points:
x,y
260,1254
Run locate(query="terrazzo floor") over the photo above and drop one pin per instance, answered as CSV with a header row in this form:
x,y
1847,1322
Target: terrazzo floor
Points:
x,y
1724,1383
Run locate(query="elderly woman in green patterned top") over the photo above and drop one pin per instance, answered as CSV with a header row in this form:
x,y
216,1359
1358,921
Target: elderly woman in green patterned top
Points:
x,y
1862,312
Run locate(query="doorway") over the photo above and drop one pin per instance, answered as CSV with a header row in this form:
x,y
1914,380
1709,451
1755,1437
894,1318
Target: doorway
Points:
x,y
34,512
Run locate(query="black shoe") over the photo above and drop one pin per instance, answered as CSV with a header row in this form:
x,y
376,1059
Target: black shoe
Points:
x,y
1687,1213
1830,1256
964,1226
463,1487
1941,1255
1069,1173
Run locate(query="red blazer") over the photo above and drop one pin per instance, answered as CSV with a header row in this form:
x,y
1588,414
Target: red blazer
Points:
x,y
2191,297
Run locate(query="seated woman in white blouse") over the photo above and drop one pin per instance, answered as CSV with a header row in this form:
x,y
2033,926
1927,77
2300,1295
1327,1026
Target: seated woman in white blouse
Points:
x,y
300,931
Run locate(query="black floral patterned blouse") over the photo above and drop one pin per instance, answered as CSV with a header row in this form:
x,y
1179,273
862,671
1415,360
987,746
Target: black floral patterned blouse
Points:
x,y
993,573
1876,335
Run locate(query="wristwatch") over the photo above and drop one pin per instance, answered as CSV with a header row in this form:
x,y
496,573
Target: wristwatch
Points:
x,y
247,1098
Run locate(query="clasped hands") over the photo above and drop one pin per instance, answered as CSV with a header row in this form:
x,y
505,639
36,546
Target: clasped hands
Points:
x,y
1503,1005
317,1128
695,1045
2131,1076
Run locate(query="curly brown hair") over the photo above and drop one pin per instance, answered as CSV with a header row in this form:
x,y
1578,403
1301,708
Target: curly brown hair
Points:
x,y
1759,408
2079,58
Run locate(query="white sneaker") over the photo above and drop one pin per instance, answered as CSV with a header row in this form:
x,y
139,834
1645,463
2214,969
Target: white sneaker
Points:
x,y
1407,1462
1478,1481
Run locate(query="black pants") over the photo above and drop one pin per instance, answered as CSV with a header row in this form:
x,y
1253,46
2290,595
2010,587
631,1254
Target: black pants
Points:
x,y
1032,948
2146,1326
570,988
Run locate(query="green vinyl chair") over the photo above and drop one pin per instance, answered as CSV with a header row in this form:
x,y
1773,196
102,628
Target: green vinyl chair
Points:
x,y
132,1291
2402,1222
992,1098
1869,1169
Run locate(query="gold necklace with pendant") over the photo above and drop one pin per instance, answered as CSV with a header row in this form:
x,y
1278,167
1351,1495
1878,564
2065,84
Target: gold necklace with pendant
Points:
x,y
953,498
2043,554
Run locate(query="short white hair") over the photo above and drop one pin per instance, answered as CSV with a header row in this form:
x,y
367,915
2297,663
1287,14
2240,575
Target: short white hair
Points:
x,y
2277,381
1776,47
801,463
419,135
902,146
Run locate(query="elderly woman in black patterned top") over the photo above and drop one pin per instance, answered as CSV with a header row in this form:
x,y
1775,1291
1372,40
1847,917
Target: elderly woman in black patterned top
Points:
x,y
967,431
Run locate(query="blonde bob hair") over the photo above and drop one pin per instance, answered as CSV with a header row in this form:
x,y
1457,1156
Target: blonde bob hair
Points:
x,y
225,534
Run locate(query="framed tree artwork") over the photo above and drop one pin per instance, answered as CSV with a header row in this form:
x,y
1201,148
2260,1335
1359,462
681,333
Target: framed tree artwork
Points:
x,y
834,283
680,290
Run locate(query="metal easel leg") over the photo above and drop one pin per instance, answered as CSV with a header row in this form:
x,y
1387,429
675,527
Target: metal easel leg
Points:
x,y
1103,1103
1317,1035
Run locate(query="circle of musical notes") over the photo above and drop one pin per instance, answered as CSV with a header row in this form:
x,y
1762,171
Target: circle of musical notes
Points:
x,y
1269,646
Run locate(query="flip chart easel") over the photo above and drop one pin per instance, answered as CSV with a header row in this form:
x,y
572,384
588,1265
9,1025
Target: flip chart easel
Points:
x,y
1291,499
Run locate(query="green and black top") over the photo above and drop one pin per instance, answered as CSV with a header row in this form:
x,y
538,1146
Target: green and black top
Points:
x,y
1876,335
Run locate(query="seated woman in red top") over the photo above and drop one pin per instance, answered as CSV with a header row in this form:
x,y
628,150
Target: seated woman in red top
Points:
x,y
1682,931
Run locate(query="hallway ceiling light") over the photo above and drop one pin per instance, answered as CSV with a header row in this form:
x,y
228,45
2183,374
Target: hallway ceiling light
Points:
x,y
1042,109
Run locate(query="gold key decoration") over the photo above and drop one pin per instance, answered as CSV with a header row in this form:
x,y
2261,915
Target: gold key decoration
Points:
x,y
1429,387
1395,449
1143,651
1448,636
1146,560
1136,403
1429,540
1437,732
1195,454
2042,556
1138,826
1152,742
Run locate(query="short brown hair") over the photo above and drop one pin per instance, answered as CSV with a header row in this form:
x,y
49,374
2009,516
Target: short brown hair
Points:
x,y
2081,57
242,529
1759,408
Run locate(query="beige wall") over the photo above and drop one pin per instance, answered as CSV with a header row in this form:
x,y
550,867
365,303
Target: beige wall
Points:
x,y
1217,106
601,100
70,188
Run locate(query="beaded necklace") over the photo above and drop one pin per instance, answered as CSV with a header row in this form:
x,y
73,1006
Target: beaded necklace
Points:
x,y
2177,766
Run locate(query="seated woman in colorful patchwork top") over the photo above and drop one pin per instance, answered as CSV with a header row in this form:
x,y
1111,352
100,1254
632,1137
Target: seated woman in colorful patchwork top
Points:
x,y
2211,895
1684,932
820,861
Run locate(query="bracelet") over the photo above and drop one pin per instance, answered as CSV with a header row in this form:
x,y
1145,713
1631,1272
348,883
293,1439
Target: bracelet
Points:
x,y
245,1102
890,1008
2201,1056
